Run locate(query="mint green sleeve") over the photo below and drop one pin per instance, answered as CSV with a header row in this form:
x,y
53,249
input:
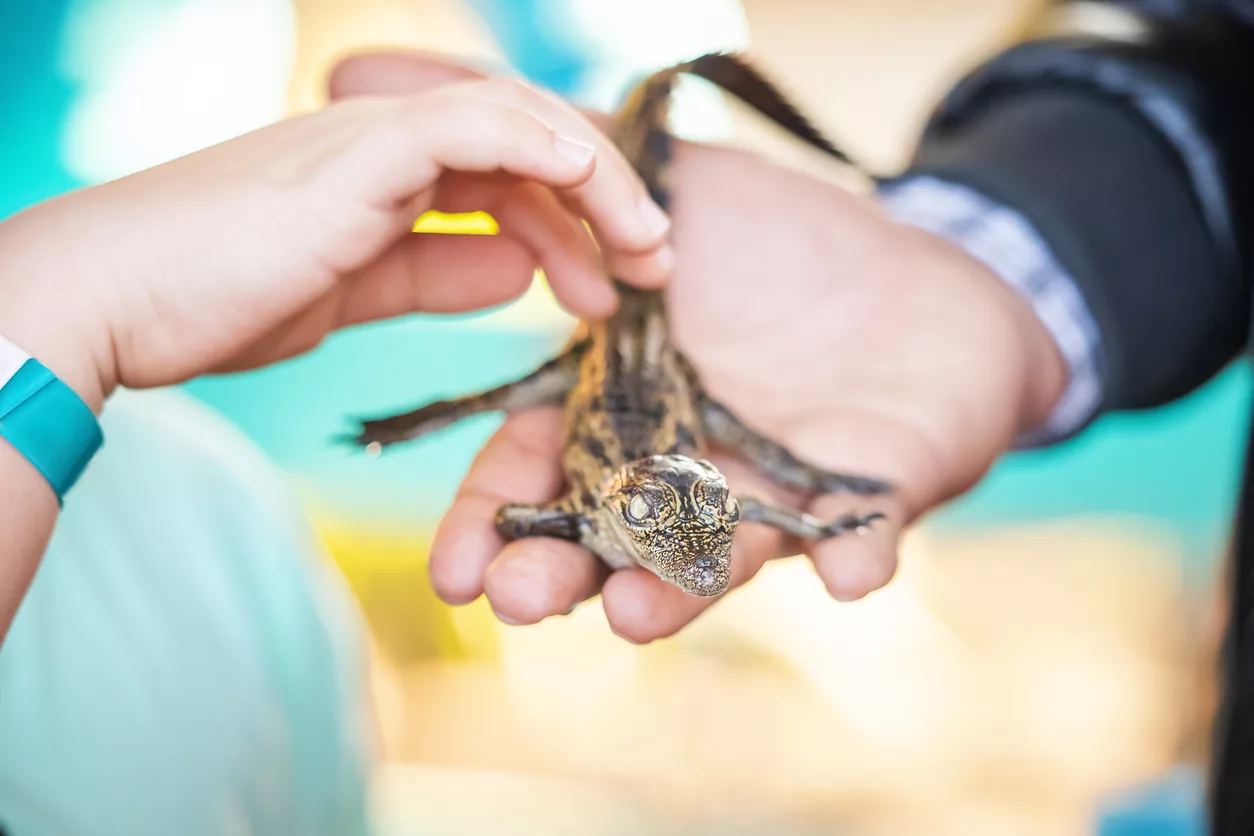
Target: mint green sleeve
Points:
x,y
187,661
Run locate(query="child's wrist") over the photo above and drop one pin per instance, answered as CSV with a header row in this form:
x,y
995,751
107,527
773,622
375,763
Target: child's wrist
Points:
x,y
57,348
49,315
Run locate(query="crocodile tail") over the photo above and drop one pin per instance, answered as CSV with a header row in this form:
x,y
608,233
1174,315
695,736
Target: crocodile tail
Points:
x,y
640,131
641,125
730,72
640,128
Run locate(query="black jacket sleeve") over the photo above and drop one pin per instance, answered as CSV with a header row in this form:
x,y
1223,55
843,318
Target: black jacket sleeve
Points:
x,y
1132,157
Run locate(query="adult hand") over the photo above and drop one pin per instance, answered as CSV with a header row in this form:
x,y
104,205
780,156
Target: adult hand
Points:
x,y
863,345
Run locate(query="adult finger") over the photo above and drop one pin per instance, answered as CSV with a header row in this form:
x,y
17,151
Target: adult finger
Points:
x,y
534,579
641,607
520,464
854,565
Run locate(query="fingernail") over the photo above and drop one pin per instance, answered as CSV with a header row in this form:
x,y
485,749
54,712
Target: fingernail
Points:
x,y
655,220
505,619
577,152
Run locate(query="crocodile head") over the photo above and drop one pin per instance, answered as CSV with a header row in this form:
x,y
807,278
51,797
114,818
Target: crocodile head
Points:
x,y
675,516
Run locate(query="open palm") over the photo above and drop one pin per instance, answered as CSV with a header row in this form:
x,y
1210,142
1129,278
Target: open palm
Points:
x,y
862,345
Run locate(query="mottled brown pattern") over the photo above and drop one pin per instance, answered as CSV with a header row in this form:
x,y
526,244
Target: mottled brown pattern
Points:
x,y
640,492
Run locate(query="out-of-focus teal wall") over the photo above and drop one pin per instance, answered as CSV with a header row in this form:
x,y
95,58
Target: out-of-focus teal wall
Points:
x,y
34,97
1178,465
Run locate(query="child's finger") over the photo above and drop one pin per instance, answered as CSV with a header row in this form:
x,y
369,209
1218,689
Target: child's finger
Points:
x,y
615,183
399,73
465,130
403,72
535,218
521,463
469,134
416,141
636,240
402,148
437,273
563,248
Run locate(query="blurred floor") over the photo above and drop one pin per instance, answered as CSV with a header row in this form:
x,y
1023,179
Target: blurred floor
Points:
x,y
1002,684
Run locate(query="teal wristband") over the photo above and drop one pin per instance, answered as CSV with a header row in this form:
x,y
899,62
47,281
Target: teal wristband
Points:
x,y
45,420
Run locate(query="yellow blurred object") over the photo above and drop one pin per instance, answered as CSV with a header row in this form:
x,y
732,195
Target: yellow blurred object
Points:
x,y
387,571
467,223
536,310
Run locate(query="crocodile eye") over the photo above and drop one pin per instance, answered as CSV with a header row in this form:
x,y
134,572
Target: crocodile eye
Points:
x,y
639,510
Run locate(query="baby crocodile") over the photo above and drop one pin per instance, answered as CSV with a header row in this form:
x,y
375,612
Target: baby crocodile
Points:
x,y
641,491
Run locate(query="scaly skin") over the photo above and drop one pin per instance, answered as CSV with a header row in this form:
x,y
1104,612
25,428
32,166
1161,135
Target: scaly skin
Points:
x,y
641,491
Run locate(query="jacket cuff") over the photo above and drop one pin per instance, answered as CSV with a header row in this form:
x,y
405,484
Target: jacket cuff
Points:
x,y
1119,213
1006,243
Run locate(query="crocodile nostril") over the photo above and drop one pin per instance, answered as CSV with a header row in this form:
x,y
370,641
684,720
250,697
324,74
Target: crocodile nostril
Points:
x,y
703,572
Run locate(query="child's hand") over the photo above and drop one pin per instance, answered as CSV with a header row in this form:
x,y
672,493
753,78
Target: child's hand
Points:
x,y
254,250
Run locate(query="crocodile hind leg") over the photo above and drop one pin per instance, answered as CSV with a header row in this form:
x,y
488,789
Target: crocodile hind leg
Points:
x,y
775,461
546,386
800,524
556,519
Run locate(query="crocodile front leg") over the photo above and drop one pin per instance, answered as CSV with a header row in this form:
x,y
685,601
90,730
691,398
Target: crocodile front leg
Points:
x,y
546,386
775,461
556,519
801,524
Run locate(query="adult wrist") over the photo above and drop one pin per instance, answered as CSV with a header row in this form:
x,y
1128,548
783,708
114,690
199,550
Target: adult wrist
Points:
x,y
1065,366
1094,179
